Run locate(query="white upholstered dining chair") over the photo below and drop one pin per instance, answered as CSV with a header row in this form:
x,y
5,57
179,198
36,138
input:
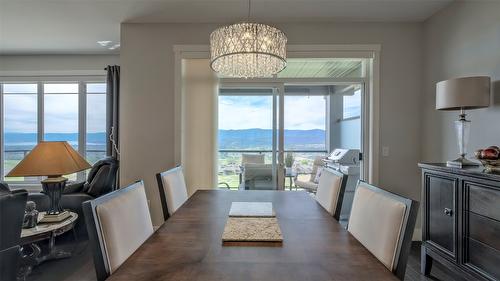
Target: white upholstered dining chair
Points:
x,y
330,191
118,223
173,190
383,222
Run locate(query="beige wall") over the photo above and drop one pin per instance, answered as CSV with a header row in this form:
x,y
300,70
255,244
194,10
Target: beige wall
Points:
x,y
147,98
199,125
461,40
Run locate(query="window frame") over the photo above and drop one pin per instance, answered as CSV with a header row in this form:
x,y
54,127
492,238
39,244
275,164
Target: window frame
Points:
x,y
82,82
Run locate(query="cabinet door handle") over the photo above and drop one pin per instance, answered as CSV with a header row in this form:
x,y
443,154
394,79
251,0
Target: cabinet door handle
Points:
x,y
448,212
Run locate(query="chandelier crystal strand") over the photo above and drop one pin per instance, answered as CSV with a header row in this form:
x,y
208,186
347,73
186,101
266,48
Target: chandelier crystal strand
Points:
x,y
248,50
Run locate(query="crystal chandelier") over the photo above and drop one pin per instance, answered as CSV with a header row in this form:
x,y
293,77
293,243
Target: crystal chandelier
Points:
x,y
247,50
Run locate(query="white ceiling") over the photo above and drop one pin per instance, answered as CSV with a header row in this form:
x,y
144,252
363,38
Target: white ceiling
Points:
x,y
74,26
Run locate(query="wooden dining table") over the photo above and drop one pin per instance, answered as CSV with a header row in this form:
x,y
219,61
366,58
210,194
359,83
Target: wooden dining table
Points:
x,y
188,245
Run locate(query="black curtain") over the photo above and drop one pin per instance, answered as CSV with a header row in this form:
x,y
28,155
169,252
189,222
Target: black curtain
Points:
x,y
112,101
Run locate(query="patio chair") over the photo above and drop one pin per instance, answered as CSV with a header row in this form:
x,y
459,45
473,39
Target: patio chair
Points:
x,y
257,177
311,185
250,159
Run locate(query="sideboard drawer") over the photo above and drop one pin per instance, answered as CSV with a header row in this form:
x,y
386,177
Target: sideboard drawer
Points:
x,y
484,200
483,259
484,230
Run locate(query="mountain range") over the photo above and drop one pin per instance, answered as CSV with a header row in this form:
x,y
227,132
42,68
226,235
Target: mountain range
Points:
x,y
262,139
228,139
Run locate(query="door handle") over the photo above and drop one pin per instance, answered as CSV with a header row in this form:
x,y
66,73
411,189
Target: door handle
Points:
x,y
448,212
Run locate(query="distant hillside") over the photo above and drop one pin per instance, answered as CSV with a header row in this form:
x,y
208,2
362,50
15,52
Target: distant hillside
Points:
x,y
262,139
228,139
30,138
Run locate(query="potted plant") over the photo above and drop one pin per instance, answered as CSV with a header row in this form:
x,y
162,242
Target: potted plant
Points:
x,y
289,159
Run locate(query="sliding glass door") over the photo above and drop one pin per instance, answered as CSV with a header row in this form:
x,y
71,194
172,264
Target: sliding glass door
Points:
x,y
271,135
248,126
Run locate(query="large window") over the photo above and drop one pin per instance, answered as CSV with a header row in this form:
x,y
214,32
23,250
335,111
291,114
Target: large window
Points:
x,y
73,111
19,123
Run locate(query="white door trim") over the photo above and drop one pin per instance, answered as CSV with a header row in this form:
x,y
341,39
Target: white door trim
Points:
x,y
372,90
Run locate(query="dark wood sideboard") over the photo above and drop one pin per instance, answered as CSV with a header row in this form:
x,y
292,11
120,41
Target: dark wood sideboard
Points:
x,y
461,221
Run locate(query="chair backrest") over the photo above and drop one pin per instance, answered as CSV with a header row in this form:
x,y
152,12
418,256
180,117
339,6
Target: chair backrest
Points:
x,y
9,263
252,159
173,190
383,222
118,223
102,177
258,176
12,206
318,163
330,192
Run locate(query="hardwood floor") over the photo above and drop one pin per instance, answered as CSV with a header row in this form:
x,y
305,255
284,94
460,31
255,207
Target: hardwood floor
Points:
x,y
81,268
438,272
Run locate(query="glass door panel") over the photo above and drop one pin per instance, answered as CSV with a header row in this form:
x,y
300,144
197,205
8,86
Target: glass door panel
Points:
x,y
247,138
305,131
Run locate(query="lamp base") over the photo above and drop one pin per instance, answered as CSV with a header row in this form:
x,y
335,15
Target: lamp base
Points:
x,y
460,163
53,187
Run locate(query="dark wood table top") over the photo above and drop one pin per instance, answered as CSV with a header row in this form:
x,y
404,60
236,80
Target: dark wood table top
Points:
x,y
189,247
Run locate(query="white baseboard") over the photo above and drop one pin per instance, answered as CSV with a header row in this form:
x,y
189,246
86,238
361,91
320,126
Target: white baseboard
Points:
x,y
417,234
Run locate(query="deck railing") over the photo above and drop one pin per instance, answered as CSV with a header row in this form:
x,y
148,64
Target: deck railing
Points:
x,y
229,166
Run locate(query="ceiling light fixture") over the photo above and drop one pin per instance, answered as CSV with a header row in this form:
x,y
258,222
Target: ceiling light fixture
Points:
x,y
248,50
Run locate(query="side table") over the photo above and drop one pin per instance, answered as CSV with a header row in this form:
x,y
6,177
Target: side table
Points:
x,y
31,251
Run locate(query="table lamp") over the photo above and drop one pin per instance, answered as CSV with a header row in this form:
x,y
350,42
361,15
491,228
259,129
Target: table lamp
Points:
x,y
463,94
52,159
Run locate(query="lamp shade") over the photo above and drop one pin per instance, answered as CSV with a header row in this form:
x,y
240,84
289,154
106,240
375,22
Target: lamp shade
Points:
x,y
463,93
50,158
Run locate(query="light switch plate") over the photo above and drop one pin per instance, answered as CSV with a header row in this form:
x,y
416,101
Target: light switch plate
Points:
x,y
385,151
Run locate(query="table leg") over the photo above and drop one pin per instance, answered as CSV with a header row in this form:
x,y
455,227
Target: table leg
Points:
x,y
29,259
54,252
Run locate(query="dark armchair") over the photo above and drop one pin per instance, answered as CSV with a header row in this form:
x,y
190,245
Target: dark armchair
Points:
x,y
100,180
12,205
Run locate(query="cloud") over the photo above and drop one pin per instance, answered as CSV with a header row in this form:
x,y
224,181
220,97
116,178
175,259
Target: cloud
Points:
x,y
60,113
244,112
20,114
